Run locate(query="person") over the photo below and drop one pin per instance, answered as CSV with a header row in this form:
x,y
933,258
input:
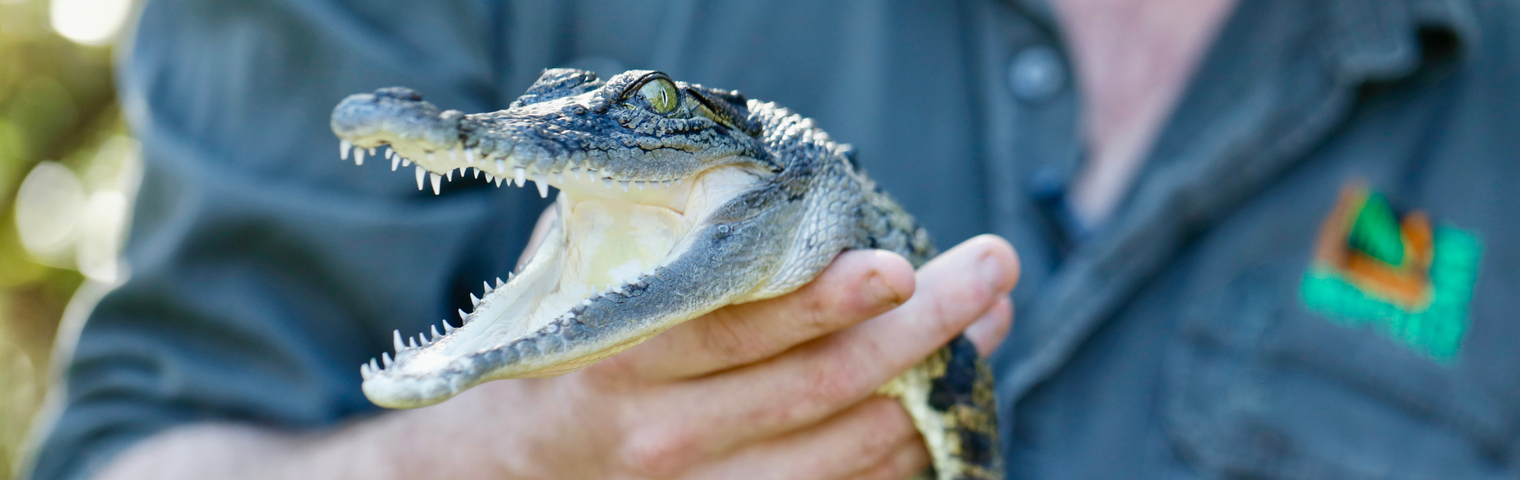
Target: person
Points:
x,y
1256,238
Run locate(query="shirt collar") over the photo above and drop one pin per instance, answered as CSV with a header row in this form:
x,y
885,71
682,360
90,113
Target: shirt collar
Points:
x,y
1385,40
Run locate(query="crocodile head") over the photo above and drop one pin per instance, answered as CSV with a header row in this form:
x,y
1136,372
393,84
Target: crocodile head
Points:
x,y
659,183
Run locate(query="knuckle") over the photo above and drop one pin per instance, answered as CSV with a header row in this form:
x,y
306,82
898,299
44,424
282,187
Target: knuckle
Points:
x,y
659,451
731,340
944,321
816,313
951,313
887,431
901,464
839,379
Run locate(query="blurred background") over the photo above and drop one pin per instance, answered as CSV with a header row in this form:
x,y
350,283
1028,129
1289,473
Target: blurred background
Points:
x,y
68,170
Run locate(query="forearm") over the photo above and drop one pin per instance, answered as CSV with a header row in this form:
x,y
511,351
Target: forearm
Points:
x,y
378,448
239,451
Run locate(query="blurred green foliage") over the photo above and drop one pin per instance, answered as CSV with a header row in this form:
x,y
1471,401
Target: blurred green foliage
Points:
x,y
57,103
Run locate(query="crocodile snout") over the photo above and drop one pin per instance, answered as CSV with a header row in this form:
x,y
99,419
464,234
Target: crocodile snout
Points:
x,y
395,115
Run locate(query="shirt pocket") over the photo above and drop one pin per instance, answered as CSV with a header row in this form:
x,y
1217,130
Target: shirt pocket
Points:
x,y
1256,386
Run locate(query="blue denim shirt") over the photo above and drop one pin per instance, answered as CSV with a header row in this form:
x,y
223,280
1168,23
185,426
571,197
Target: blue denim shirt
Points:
x,y
1185,338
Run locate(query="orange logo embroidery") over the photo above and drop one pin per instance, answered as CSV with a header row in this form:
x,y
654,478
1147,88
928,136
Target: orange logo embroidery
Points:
x,y
1372,266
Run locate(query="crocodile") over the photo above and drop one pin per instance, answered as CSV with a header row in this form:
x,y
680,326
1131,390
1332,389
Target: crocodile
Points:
x,y
673,200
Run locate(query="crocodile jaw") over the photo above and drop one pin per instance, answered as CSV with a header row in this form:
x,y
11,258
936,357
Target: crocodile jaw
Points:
x,y
603,244
640,195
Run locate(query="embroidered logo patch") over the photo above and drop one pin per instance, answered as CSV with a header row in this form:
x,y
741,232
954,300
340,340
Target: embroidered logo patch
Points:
x,y
1407,280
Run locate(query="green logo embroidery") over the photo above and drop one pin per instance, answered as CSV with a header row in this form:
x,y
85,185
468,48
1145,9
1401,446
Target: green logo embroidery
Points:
x,y
1408,281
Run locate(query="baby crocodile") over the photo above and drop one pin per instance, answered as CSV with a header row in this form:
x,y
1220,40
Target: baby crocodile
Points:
x,y
674,200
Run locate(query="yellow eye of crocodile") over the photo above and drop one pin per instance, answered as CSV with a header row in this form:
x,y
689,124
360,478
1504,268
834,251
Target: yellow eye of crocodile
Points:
x,y
661,95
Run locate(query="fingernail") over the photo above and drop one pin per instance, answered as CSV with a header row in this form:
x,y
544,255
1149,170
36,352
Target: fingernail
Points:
x,y
992,272
877,291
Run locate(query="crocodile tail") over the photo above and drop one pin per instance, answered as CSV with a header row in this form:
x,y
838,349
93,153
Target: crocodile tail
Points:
x,y
949,396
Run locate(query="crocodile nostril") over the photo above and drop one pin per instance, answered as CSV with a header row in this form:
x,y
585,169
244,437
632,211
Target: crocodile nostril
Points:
x,y
399,93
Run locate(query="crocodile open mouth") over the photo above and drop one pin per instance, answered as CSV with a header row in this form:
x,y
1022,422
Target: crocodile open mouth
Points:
x,y
607,244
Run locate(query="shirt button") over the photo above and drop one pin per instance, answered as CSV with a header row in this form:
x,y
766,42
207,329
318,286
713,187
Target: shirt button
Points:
x,y
1036,73
1046,184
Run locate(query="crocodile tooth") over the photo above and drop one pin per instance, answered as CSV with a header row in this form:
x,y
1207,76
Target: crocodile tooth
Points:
x,y
488,287
575,172
501,165
385,359
395,162
343,147
474,301
477,171
499,283
624,184
586,302
463,316
422,339
510,275
667,184
358,156
542,181
371,152
396,342
640,185
364,370
559,177
447,329
420,174
374,366
434,330
520,175
449,175
607,182
411,342
437,181
498,182
405,162
430,157
678,181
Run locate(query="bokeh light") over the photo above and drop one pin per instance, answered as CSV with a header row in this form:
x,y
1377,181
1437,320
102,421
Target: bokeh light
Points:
x,y
89,22
102,223
48,207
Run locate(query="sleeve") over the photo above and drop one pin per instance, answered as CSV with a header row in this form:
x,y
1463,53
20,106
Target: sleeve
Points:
x,y
263,270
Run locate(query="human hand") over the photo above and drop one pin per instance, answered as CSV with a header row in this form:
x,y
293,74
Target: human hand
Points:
x,y
780,388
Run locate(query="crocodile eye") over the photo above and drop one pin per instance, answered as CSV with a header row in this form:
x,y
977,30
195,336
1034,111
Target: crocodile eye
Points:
x,y
661,95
